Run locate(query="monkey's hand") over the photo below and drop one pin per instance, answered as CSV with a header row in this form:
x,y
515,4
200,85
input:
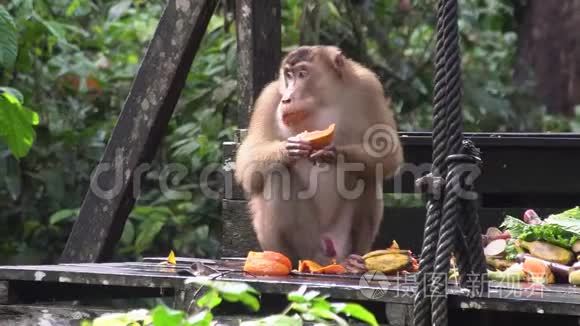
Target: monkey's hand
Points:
x,y
325,155
297,148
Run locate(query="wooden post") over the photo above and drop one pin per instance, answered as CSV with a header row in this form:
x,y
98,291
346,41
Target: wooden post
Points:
x,y
259,40
259,48
139,130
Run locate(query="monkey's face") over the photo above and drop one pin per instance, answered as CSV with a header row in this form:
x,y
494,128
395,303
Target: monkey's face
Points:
x,y
297,100
304,90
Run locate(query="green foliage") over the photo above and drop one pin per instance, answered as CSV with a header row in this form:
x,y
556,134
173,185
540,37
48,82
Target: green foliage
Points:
x,y
308,306
314,307
16,123
8,43
76,61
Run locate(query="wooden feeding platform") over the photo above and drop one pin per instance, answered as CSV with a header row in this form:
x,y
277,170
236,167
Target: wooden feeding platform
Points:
x,y
389,297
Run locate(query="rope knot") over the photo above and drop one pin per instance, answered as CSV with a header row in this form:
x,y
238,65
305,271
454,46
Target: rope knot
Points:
x,y
430,184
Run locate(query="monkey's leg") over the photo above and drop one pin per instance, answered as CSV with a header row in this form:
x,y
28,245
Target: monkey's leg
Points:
x,y
338,233
368,217
268,226
301,229
287,226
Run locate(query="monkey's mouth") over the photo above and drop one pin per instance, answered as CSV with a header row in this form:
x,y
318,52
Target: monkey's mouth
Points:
x,y
291,117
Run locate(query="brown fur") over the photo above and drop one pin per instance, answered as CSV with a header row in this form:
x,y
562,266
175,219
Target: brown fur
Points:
x,y
353,98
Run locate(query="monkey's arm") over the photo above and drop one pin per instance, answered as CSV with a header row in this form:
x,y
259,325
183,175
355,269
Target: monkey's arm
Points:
x,y
262,149
255,160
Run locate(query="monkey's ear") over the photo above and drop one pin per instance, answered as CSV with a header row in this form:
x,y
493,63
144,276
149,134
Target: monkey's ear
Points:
x,y
339,60
338,63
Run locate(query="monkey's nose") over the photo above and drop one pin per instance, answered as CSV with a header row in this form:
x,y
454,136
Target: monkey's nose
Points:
x,y
286,100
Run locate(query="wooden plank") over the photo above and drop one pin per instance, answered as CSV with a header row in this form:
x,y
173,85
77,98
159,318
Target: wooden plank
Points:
x,y
404,224
560,300
139,130
259,30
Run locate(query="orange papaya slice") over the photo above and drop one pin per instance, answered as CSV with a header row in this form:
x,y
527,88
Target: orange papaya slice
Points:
x,y
267,263
319,138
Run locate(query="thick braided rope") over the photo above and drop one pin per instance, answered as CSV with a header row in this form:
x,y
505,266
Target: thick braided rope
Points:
x,y
471,224
447,97
445,246
448,232
422,304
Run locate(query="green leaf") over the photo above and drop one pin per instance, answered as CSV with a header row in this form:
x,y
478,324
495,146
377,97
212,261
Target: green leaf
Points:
x,y
235,288
327,314
209,300
573,213
148,230
232,291
16,93
310,295
165,316
16,125
58,30
119,9
356,311
72,7
246,298
8,41
116,319
282,320
123,319
202,318
128,233
298,295
63,215
321,303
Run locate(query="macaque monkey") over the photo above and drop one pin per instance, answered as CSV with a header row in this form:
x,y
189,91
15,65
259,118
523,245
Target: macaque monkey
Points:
x,y
319,203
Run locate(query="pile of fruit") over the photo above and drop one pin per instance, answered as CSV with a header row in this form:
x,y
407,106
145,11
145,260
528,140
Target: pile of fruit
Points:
x,y
532,249
388,261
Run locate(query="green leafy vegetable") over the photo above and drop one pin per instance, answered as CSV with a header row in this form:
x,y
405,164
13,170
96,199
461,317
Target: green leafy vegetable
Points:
x,y
559,229
573,213
568,220
511,250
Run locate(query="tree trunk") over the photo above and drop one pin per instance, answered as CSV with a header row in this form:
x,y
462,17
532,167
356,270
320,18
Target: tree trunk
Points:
x,y
549,51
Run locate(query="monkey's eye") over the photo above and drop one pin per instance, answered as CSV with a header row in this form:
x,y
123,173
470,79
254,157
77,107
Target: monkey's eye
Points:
x,y
288,75
302,74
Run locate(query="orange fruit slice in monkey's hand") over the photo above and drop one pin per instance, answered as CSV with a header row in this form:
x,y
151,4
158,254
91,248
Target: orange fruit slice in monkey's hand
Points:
x,y
267,263
319,138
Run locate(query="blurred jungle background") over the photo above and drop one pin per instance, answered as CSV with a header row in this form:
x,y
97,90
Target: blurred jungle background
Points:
x,y
66,67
